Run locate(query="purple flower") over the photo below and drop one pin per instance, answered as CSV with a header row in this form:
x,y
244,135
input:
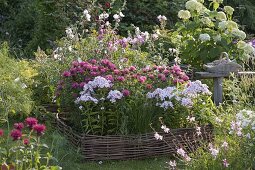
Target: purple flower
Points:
x,y
75,85
1,132
142,79
16,134
18,126
121,78
132,68
66,74
30,122
93,61
26,142
39,128
109,77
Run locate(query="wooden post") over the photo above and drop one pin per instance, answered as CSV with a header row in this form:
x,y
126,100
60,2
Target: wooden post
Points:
x,y
217,90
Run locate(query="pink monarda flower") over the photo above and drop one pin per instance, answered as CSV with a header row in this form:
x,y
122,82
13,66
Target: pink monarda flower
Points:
x,y
82,84
112,66
19,126
93,61
75,63
94,68
176,68
151,76
75,85
121,78
149,86
66,74
163,78
30,122
39,129
132,68
16,134
166,72
116,71
109,77
94,74
125,92
185,78
125,71
1,132
105,61
26,141
142,79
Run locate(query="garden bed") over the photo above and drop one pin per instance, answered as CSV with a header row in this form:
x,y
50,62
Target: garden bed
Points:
x,y
120,147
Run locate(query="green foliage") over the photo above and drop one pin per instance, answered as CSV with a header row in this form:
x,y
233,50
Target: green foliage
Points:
x,y
16,78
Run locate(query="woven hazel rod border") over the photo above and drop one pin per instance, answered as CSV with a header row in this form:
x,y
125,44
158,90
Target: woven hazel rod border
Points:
x,y
119,147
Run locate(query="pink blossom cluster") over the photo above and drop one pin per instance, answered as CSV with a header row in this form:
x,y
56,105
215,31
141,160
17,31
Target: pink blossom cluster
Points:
x,y
149,77
31,123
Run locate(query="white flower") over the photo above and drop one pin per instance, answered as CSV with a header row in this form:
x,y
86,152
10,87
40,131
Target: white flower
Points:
x,y
184,14
162,18
181,152
80,107
224,145
158,136
214,151
17,80
222,25
23,86
193,5
204,37
69,33
229,10
172,163
217,38
116,16
85,12
198,129
103,16
87,15
191,119
166,130
121,14
218,120
221,16
238,33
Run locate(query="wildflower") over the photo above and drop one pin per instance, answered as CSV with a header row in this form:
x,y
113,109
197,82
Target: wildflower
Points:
x,y
132,68
16,134
214,151
198,129
184,14
18,126
166,130
158,136
225,163
187,102
26,142
1,132
142,79
162,18
172,164
66,74
224,145
204,37
30,122
39,128
181,152
121,78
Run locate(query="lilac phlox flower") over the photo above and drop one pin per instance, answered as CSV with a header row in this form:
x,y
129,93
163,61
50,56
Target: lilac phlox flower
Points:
x,y
236,128
193,89
113,95
86,98
187,102
166,130
158,136
166,105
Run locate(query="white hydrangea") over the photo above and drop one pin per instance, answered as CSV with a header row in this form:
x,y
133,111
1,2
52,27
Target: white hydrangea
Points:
x,y
194,5
113,95
221,16
207,21
204,37
229,10
184,14
222,25
238,33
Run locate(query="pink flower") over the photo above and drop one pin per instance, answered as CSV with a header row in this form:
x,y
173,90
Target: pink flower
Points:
x,y
75,63
132,68
66,74
94,74
121,78
93,61
103,70
105,61
30,122
166,72
112,66
163,78
18,126
26,142
185,78
151,76
1,132
116,71
149,86
39,128
16,134
82,84
176,68
109,77
126,92
75,85
94,68
142,79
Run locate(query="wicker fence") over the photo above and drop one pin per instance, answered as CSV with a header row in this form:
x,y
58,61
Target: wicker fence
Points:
x,y
117,147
